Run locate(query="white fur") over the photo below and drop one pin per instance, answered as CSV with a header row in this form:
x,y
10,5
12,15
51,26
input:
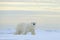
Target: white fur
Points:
x,y
24,28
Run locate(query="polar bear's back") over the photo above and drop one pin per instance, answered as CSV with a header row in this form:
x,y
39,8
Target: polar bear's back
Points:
x,y
23,26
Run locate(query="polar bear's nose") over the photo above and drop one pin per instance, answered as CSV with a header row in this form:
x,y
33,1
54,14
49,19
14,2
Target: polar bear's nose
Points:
x,y
33,23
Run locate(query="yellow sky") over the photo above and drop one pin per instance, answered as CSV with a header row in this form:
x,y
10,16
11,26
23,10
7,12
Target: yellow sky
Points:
x,y
9,18
32,6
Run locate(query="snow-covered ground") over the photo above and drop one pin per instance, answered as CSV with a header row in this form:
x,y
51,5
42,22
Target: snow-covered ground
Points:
x,y
40,35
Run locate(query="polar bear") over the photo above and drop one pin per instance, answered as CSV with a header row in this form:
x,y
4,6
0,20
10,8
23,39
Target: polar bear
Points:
x,y
24,28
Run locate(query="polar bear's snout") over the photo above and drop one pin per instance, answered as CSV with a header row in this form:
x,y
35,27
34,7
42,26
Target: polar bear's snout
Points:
x,y
34,23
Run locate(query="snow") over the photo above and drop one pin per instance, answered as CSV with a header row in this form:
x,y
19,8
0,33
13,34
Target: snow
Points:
x,y
40,35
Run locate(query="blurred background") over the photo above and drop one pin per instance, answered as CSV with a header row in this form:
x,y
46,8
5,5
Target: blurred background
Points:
x,y
47,1
43,19
46,13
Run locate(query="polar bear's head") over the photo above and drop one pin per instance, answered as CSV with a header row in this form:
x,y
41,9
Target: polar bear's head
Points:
x,y
33,23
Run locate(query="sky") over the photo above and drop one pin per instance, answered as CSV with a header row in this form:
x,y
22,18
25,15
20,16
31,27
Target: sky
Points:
x,y
14,17
30,1
31,6
42,13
